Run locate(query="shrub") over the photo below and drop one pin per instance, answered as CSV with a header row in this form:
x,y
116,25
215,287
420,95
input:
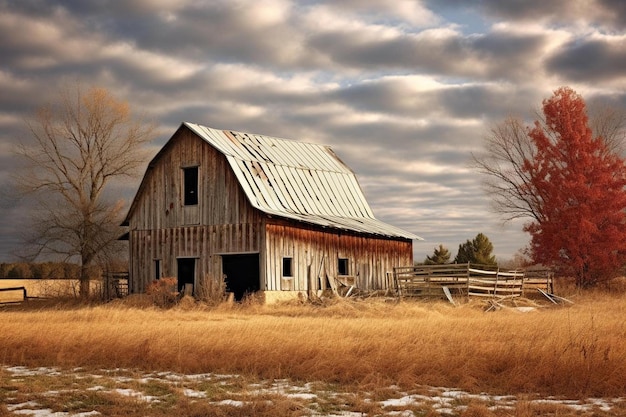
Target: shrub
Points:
x,y
163,292
211,291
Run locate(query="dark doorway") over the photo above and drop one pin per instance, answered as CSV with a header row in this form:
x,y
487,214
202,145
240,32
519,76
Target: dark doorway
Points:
x,y
186,272
242,274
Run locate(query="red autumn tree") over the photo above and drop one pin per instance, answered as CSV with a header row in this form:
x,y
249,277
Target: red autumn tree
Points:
x,y
579,226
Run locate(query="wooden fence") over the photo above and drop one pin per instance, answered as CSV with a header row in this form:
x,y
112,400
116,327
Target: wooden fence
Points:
x,y
112,285
469,280
22,290
115,285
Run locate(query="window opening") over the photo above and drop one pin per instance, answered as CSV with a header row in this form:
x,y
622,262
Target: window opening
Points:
x,y
191,186
288,267
342,266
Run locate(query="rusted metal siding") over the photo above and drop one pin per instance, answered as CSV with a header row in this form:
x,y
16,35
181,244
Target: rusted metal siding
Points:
x,y
225,222
316,252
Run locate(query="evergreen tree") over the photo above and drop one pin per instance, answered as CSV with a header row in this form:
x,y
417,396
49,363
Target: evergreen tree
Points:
x,y
441,255
476,251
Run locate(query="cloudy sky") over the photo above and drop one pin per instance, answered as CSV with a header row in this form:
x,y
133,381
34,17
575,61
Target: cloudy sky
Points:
x,y
404,91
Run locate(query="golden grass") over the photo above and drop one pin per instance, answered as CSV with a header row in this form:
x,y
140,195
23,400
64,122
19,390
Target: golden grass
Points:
x,y
573,351
43,288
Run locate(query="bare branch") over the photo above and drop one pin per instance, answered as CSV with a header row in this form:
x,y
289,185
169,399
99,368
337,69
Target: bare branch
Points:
x,y
505,178
88,140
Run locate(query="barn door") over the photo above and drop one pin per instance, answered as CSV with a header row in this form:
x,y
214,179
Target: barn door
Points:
x,y
242,274
186,273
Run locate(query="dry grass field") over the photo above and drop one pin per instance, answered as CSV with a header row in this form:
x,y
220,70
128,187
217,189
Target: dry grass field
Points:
x,y
576,351
42,288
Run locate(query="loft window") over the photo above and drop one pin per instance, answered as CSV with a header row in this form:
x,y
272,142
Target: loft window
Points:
x,y
191,186
342,266
288,267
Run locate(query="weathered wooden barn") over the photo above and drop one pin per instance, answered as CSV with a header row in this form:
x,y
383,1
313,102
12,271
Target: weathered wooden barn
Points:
x,y
264,214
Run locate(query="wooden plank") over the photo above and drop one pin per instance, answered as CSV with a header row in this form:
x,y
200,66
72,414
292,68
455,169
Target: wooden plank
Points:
x,y
446,291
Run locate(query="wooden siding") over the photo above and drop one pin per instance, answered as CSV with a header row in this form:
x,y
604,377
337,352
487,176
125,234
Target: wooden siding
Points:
x,y
315,255
205,243
162,228
160,202
159,224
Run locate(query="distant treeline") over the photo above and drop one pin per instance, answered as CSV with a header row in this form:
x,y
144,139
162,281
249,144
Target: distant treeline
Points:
x,y
44,270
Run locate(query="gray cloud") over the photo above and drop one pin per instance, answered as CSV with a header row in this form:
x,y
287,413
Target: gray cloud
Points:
x,y
496,55
615,11
591,60
607,13
399,91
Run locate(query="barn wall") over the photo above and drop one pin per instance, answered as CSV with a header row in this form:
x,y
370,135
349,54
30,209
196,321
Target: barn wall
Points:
x,y
204,243
315,253
221,199
163,228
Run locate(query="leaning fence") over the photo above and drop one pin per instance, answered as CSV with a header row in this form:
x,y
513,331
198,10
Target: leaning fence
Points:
x,y
468,280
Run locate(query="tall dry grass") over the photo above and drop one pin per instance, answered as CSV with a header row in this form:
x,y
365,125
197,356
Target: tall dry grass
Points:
x,y
574,351
46,288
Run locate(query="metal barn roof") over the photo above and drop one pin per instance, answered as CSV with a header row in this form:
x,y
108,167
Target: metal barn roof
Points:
x,y
295,180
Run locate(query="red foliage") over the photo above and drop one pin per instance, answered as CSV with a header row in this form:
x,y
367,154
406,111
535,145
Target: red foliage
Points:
x,y
580,228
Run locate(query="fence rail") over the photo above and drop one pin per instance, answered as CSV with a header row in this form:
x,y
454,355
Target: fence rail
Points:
x,y
115,285
468,279
24,294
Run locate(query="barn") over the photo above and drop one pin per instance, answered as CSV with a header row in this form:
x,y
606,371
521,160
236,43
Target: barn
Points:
x,y
275,216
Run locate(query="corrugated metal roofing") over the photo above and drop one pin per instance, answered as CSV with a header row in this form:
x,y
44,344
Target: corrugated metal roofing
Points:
x,y
297,180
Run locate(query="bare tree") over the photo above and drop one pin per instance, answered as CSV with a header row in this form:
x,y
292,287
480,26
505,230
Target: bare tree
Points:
x,y
608,123
508,146
83,144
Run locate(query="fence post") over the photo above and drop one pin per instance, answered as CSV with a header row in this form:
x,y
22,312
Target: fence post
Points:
x,y
495,286
396,282
550,280
468,279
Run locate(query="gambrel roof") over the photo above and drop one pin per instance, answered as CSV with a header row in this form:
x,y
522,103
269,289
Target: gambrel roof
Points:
x,y
298,181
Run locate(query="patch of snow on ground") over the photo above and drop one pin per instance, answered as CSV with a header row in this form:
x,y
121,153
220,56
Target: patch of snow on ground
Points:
x,y
127,392
31,408
232,403
12,407
401,402
442,400
46,412
191,393
24,371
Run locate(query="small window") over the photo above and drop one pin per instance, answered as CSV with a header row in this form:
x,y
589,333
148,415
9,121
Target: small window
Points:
x,y
157,269
288,267
191,186
342,266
